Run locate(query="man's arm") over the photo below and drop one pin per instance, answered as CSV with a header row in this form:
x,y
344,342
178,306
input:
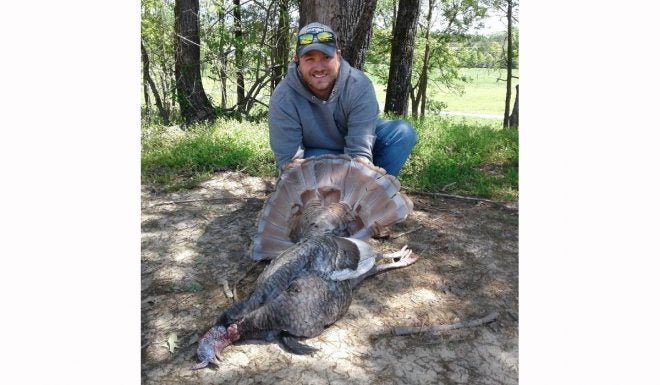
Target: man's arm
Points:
x,y
285,133
362,121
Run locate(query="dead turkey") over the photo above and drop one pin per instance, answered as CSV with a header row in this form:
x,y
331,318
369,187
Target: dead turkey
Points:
x,y
306,288
328,194
312,228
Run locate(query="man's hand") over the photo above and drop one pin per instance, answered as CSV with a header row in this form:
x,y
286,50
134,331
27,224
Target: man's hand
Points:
x,y
364,160
293,163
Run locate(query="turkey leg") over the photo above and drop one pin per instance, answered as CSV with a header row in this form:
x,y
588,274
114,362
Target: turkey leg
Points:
x,y
401,258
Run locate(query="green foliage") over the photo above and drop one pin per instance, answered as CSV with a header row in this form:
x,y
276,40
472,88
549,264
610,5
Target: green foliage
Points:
x,y
157,36
443,64
479,51
460,156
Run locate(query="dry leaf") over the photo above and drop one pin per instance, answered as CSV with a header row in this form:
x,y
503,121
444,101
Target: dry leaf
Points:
x,y
171,342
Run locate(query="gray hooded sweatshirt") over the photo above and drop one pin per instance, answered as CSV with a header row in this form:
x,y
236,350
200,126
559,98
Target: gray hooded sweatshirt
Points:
x,y
346,121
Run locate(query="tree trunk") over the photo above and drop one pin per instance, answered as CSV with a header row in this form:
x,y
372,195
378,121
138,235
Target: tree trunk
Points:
x,y
148,80
419,102
424,76
238,35
395,12
195,106
280,57
509,60
168,88
223,80
350,19
513,118
415,97
324,12
168,91
145,91
355,30
403,47
222,58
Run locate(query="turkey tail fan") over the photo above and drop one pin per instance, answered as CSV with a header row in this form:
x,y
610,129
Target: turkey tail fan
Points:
x,y
291,184
275,221
358,177
276,217
340,166
265,248
331,177
322,169
325,175
380,206
309,194
274,225
382,214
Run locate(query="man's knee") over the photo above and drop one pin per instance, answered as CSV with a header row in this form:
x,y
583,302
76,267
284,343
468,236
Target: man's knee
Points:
x,y
403,133
408,133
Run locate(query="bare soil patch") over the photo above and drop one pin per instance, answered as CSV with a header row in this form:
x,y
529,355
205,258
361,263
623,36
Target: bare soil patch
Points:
x,y
195,251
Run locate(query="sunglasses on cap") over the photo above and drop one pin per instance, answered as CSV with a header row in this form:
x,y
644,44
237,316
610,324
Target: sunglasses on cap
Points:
x,y
321,37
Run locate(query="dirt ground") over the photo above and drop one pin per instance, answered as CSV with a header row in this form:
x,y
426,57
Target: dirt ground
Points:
x,y
194,258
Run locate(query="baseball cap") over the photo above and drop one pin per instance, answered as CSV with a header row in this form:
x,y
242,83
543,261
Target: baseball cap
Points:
x,y
316,36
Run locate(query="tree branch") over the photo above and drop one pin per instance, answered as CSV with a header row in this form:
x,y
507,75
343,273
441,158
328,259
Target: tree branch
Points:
x,y
198,200
406,232
502,204
407,330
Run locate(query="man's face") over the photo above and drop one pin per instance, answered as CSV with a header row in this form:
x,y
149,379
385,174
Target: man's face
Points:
x,y
319,71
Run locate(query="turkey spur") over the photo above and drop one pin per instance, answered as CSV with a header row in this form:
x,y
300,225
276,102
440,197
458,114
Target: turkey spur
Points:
x,y
308,287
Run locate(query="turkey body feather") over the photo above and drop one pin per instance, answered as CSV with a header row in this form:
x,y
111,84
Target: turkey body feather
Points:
x,y
324,257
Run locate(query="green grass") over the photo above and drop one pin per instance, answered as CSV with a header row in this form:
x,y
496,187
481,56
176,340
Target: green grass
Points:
x,y
482,94
472,157
176,159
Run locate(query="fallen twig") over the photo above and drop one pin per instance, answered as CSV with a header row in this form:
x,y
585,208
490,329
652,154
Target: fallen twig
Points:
x,y
225,288
196,200
445,187
406,232
407,330
502,204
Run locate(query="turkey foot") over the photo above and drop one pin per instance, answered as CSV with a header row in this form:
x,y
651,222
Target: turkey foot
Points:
x,y
401,258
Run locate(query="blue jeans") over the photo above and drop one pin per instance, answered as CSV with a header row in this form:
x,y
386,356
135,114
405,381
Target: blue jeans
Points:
x,y
395,140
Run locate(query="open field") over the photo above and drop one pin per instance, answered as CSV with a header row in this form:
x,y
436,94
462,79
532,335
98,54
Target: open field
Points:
x,y
482,94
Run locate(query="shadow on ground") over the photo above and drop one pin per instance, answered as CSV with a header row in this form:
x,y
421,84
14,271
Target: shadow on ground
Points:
x,y
195,258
